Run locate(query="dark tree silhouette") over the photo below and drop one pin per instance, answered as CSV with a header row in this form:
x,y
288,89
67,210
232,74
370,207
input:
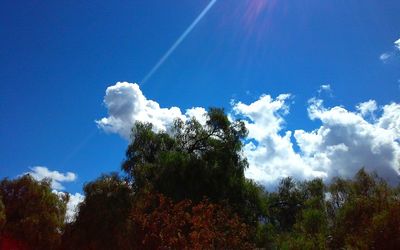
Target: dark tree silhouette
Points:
x,y
101,222
34,215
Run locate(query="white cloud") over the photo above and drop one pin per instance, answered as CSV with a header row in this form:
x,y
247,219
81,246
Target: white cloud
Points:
x,y
126,105
346,141
385,56
39,173
266,111
390,119
325,87
200,114
367,108
72,205
343,143
397,44
271,155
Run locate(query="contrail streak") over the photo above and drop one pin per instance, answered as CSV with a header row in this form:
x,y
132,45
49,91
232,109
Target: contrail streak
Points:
x,y
178,42
79,147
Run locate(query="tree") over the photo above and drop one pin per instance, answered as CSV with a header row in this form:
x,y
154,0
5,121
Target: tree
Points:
x,y
34,214
385,228
298,215
285,204
160,223
310,230
313,218
101,222
193,161
364,213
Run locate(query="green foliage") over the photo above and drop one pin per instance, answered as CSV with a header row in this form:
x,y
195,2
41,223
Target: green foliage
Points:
x,y
364,213
297,215
34,214
285,204
385,228
102,219
195,161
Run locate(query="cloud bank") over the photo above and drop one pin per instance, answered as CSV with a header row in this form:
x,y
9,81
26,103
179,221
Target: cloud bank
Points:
x,y
345,141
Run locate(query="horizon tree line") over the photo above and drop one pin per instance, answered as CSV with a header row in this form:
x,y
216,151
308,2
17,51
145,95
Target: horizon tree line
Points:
x,y
187,190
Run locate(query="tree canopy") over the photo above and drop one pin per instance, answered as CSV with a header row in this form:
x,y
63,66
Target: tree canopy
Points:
x,y
33,216
160,223
194,161
102,219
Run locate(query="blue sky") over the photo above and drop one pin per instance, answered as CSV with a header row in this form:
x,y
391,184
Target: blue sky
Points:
x,y
57,59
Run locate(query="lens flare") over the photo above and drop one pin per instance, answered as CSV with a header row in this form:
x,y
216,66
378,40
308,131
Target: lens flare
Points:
x,y
254,8
255,14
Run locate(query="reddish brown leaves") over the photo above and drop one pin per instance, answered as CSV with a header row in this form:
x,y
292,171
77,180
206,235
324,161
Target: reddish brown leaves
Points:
x,y
162,224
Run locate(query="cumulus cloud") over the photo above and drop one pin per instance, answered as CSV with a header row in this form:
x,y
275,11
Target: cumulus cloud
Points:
x,y
200,114
40,173
367,108
126,105
390,119
344,142
270,151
